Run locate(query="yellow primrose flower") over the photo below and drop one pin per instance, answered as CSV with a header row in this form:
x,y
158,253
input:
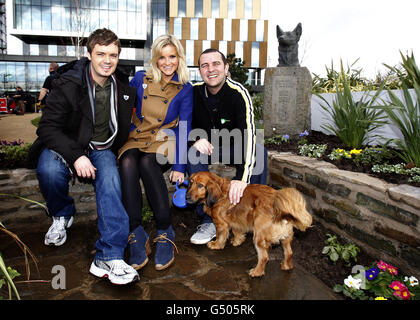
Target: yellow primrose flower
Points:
x,y
355,151
380,298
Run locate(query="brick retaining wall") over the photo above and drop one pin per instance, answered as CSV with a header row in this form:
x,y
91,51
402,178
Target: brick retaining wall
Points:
x,y
380,217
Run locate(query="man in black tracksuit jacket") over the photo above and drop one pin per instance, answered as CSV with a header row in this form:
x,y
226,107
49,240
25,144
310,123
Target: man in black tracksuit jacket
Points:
x,y
223,109
85,121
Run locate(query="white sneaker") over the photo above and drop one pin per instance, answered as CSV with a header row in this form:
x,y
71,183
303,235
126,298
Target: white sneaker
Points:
x,y
205,233
117,271
56,234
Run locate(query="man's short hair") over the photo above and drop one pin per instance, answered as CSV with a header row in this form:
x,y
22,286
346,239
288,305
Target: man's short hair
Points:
x,y
212,50
103,37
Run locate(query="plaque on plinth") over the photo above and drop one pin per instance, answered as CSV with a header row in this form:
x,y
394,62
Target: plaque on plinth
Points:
x,y
287,101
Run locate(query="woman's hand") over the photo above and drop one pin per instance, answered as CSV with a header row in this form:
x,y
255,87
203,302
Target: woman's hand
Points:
x,y
175,176
204,146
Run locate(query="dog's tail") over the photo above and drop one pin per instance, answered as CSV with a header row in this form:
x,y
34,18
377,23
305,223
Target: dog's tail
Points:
x,y
290,205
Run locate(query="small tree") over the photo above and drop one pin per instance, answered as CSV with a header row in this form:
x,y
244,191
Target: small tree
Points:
x,y
236,68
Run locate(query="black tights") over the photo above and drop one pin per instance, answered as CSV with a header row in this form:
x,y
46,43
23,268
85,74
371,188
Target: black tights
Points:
x,y
136,165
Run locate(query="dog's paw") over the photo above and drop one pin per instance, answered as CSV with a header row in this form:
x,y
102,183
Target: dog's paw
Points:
x,y
286,266
254,273
237,241
214,245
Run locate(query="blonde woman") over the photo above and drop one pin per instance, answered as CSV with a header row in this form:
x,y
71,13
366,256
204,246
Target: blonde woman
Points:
x,y
157,142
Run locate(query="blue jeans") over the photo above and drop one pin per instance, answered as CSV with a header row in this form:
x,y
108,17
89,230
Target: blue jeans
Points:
x,y
54,176
258,177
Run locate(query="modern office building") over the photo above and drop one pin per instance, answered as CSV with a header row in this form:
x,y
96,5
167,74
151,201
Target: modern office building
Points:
x,y
41,31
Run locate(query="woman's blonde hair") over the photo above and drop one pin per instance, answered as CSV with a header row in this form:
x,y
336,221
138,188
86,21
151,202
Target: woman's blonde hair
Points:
x,y
157,46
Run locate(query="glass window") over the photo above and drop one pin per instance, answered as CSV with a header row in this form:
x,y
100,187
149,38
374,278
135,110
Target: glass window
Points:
x,y
131,5
227,29
122,22
194,28
189,52
139,23
113,4
52,50
18,17
95,4
104,4
198,8
26,17
243,30
11,71
182,9
139,8
56,2
122,4
255,55
131,19
56,18
215,8
223,47
211,29
46,2
71,51
178,28
232,9
248,9
206,44
36,18
104,20
46,18
20,71
94,19
113,22
239,50
259,32
34,49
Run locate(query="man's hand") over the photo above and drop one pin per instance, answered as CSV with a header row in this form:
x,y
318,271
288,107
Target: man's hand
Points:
x,y
84,168
175,176
236,191
204,146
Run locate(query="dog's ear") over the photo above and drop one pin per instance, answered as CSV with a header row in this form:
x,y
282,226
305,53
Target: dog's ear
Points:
x,y
279,32
213,193
298,30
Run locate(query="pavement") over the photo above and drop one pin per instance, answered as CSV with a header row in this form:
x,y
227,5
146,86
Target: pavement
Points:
x,y
198,273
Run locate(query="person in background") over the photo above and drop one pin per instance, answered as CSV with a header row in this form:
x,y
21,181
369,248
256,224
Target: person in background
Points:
x,y
84,123
157,142
46,87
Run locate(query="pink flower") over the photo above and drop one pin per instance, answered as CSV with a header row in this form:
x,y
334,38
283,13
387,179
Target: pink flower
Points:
x,y
403,294
392,270
382,265
396,285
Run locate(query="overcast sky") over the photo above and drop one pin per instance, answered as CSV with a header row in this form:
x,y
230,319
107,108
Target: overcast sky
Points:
x,y
372,30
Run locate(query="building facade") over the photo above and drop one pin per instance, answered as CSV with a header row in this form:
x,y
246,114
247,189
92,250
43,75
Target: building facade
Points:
x,y
41,31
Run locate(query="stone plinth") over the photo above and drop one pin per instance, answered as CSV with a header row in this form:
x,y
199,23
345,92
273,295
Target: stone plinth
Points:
x,y
287,101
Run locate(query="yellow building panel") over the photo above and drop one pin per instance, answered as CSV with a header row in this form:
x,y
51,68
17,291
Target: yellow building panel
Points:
x,y
173,8
247,54
202,28
190,8
186,30
198,48
265,30
206,8
256,9
240,9
219,29
235,29
223,9
184,44
230,47
263,54
214,44
251,30
171,25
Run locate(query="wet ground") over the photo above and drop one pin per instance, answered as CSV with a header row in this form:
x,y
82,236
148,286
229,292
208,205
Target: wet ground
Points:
x,y
197,274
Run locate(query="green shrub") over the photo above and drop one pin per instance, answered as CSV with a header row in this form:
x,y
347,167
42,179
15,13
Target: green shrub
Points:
x,y
352,120
335,250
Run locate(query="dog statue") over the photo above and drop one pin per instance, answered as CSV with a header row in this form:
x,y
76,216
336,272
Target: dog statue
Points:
x,y
288,46
271,214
